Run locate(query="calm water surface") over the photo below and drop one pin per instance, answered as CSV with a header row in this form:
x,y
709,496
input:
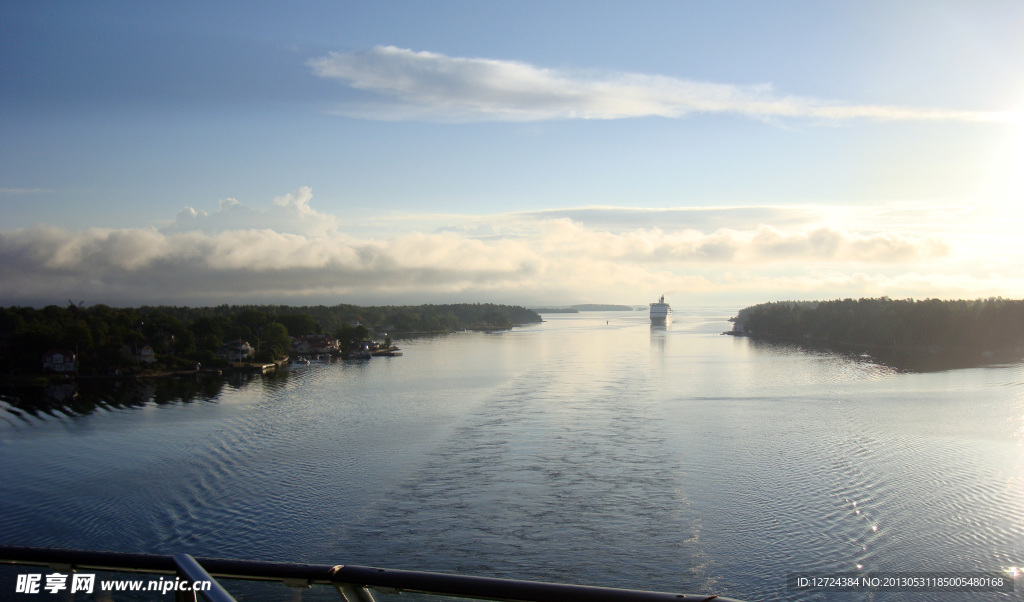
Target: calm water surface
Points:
x,y
591,449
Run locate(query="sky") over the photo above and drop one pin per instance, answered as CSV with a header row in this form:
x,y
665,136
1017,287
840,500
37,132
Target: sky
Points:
x,y
536,153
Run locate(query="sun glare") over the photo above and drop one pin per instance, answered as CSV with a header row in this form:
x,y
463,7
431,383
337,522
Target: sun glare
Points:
x,y
1014,166
1005,185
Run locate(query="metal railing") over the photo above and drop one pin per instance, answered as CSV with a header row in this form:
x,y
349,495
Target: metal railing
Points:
x,y
353,583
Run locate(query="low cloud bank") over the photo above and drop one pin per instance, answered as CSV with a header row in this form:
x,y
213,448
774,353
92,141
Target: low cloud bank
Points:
x,y
432,86
233,256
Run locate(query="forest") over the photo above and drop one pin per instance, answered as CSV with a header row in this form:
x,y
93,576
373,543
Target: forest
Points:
x,y
103,338
993,325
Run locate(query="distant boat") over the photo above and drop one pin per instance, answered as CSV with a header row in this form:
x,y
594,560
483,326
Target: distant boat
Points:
x,y
661,312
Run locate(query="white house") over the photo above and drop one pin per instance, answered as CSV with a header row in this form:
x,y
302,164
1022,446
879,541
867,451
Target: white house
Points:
x,y
147,355
59,360
236,351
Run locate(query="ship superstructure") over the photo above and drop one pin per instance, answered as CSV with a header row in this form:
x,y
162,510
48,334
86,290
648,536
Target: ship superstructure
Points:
x,y
661,312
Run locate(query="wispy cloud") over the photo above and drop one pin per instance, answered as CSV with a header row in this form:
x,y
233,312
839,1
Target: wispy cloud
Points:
x,y
678,218
232,256
432,86
766,244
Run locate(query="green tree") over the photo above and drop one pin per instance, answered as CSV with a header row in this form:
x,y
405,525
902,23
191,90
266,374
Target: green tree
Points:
x,y
77,337
299,324
275,340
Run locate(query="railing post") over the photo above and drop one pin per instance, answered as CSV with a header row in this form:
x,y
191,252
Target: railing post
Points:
x,y
354,593
181,596
195,573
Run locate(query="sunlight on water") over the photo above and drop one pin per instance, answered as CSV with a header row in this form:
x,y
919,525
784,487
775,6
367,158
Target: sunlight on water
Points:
x,y
592,448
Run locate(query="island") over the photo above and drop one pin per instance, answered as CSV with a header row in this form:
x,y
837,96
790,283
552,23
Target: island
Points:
x,y
917,334
600,307
75,341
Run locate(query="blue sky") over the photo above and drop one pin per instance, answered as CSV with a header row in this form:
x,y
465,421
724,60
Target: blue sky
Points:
x,y
526,152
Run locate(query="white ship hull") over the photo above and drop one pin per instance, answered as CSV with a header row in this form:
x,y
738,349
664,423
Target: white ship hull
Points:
x,y
661,312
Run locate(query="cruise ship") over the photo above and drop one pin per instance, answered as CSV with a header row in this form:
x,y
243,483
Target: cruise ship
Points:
x,y
661,312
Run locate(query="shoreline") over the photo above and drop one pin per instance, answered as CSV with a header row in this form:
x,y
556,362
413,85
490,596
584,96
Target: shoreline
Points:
x,y
917,358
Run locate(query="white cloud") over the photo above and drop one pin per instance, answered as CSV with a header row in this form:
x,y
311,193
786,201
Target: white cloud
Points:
x,y
229,256
432,86
290,213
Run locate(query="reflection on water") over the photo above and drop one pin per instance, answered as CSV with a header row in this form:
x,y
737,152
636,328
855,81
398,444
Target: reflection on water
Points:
x,y
929,359
592,448
80,398
658,337
83,398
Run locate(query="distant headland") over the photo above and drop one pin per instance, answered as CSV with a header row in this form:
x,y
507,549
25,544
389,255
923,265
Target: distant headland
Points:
x,y
104,341
572,309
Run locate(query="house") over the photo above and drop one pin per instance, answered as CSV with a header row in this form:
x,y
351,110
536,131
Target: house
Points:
x,y
314,343
138,355
361,350
146,355
236,351
59,360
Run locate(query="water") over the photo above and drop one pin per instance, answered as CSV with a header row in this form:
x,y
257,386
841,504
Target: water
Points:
x,y
590,449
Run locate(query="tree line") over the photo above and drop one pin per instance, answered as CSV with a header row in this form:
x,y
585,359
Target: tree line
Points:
x,y
104,338
983,324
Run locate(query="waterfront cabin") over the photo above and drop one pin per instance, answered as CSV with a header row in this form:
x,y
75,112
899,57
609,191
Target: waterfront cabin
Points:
x,y
138,355
314,344
147,355
59,360
236,351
